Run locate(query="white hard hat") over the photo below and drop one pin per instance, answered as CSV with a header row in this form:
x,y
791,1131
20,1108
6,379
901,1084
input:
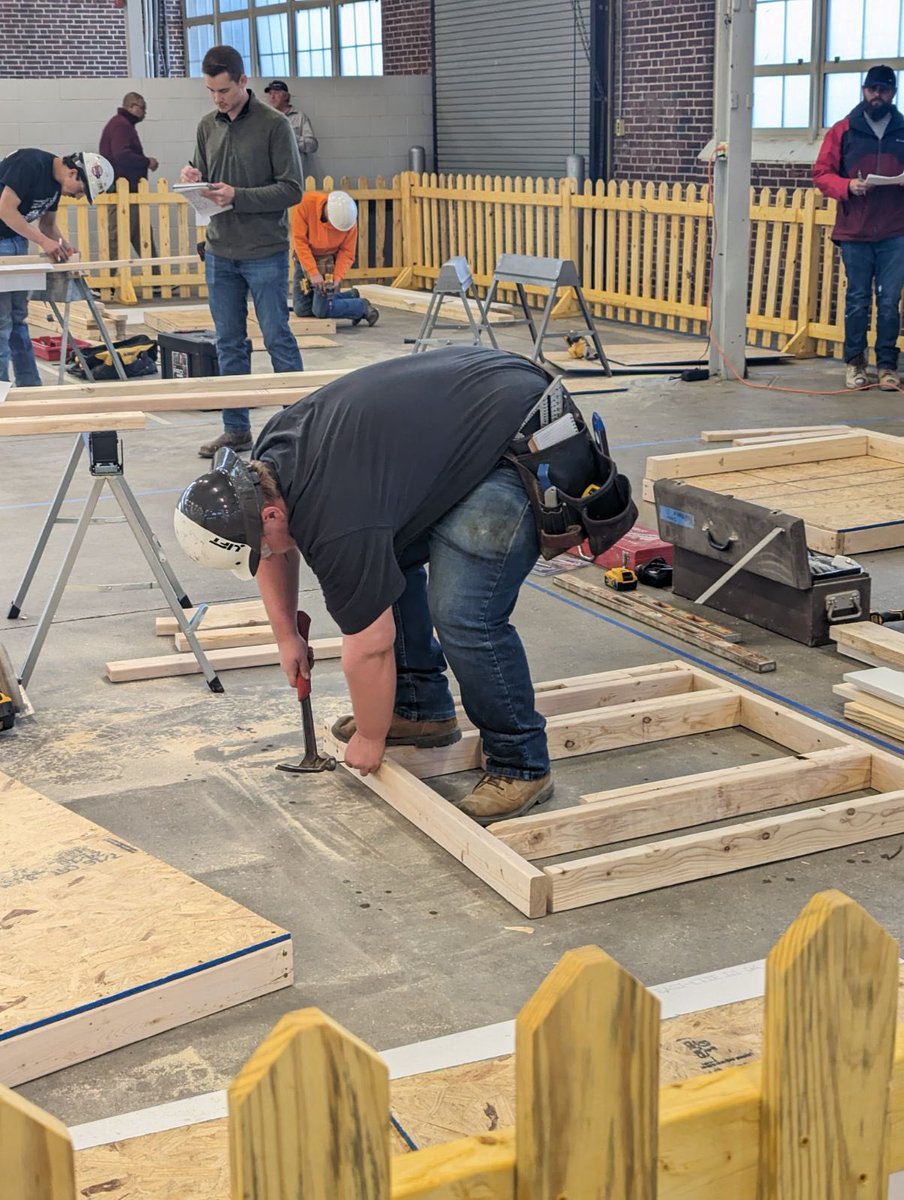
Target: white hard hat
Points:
x,y
341,211
218,518
95,172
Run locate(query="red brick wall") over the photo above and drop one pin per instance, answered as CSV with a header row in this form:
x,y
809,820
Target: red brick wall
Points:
x,y
662,89
407,37
71,39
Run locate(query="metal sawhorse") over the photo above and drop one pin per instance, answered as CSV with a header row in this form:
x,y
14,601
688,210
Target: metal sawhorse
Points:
x,y
454,279
64,287
106,467
550,274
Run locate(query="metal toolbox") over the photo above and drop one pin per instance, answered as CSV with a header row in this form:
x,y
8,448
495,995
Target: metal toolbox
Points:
x,y
776,589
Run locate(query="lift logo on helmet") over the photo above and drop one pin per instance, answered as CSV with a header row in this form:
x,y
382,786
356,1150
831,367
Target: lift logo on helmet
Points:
x,y
235,547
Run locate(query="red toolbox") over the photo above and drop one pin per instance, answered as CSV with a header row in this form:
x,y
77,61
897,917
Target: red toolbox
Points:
x,y
635,548
48,347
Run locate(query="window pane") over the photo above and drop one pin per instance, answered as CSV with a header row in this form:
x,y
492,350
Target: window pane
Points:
x,y
238,35
313,42
273,44
232,6
361,38
200,39
767,102
882,28
797,102
842,93
845,30
198,8
798,31
770,33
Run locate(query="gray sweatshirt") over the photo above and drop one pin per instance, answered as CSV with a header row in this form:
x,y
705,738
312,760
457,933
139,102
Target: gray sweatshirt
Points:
x,y
257,155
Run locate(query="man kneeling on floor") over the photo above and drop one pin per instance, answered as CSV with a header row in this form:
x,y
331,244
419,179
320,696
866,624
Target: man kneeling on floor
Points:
x,y
324,237
389,468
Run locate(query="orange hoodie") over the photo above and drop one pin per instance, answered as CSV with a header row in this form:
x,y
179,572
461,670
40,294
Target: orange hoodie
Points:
x,y
313,238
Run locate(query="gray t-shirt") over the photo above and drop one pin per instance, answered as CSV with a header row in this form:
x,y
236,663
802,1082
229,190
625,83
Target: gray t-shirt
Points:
x,y
371,461
878,127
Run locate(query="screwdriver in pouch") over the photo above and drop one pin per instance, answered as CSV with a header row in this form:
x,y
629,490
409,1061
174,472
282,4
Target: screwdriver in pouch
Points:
x,y
554,519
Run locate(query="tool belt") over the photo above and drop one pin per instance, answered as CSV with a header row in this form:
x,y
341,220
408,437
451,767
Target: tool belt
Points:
x,y
591,499
138,355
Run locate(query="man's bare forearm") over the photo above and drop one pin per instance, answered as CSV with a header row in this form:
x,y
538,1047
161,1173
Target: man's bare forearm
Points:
x,y
277,579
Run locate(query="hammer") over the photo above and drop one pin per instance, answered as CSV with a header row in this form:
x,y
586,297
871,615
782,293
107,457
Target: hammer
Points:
x,y
312,761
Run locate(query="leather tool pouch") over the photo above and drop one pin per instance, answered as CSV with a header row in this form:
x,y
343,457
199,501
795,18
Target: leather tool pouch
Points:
x,y
575,465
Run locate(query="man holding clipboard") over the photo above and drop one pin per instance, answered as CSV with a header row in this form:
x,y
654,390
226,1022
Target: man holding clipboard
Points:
x,y
246,154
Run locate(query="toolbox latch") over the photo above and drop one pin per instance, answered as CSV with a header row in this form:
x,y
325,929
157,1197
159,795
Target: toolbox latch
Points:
x,y
843,606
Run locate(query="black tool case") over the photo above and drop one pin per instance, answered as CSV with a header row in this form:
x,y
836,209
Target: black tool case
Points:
x,y
776,589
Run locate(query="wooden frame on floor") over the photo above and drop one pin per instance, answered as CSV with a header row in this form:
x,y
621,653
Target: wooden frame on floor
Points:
x,y
847,488
631,707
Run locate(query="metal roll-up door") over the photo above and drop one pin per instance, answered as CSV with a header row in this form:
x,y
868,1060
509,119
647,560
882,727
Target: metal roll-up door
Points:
x,y
509,100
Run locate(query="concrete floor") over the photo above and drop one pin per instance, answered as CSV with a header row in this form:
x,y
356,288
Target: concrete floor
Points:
x,y
392,937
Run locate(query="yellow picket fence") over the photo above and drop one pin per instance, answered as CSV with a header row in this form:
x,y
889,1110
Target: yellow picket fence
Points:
x,y
821,1117
643,249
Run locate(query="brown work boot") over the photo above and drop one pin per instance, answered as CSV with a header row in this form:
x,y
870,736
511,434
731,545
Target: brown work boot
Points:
x,y
497,797
889,379
235,441
426,735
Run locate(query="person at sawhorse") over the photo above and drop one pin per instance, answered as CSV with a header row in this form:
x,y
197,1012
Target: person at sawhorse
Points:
x,y
324,237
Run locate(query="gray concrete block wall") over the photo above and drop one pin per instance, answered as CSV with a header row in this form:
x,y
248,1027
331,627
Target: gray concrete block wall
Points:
x,y
365,125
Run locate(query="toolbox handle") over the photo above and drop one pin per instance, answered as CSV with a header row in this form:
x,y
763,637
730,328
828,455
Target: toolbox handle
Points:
x,y
843,607
717,545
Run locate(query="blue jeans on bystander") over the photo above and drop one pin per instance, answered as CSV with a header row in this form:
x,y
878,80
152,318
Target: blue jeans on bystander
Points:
x,y
479,555
866,263
15,340
229,283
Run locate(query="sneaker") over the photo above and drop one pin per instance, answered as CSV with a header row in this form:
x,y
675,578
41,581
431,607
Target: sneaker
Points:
x,y
889,379
855,374
235,441
497,797
426,735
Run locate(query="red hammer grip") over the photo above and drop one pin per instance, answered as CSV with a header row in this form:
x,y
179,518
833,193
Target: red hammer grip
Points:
x,y
303,685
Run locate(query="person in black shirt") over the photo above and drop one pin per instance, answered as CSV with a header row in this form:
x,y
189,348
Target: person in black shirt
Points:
x,y
388,468
31,183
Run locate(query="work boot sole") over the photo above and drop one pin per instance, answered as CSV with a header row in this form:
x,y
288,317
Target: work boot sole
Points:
x,y
541,796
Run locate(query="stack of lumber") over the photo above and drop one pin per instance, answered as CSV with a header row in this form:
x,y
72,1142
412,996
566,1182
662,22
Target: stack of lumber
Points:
x,y
874,699
667,618
418,302
233,635
82,324
309,332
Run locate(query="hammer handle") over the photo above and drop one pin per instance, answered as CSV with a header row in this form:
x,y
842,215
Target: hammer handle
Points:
x,y
303,685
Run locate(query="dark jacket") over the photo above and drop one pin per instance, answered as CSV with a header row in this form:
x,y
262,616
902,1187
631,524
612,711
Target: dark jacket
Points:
x,y
121,144
257,155
851,149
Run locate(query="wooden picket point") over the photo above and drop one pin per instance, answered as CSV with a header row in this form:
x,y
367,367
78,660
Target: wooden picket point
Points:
x,y
36,1159
831,1006
309,1116
587,1073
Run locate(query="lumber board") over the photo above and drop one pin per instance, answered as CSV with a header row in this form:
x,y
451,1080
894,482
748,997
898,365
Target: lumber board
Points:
x,y
870,717
76,422
745,458
701,855
884,682
176,320
417,302
773,438
90,267
252,635
489,859
687,631
137,947
729,435
100,406
881,643
882,708
219,616
680,803
268,381
635,600
166,666
577,733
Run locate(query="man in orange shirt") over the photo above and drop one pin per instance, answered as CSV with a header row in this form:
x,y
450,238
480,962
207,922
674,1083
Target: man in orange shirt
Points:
x,y
324,237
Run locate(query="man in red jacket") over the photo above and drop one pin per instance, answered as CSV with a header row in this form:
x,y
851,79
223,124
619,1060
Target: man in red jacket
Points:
x,y
869,226
121,145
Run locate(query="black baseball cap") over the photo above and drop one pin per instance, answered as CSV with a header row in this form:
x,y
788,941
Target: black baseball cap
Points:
x,y
278,86
880,76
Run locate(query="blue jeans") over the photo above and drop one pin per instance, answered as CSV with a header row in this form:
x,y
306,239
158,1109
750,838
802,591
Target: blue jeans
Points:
x,y
479,553
864,263
15,340
229,282
338,305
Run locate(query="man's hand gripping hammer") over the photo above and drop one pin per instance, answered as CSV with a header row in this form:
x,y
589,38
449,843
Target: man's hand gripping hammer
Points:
x,y
312,761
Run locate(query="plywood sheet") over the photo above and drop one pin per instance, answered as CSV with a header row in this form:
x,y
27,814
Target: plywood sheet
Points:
x,y
92,927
